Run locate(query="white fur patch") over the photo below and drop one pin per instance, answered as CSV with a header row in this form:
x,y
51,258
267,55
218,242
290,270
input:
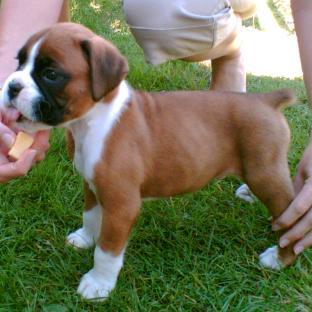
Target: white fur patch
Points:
x,y
30,92
80,239
244,193
102,278
86,236
32,57
91,131
269,259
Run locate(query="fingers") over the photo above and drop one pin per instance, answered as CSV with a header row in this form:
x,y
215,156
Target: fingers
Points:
x,y
19,168
3,159
298,231
299,206
11,170
299,182
41,140
7,137
298,215
303,243
41,144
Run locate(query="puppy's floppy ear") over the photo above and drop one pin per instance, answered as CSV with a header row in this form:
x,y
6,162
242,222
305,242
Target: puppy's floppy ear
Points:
x,y
107,66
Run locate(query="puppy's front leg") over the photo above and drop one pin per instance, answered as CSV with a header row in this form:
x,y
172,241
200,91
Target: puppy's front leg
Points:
x,y
119,214
87,235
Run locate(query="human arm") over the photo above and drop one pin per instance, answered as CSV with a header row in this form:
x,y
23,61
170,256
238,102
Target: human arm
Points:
x,y
297,218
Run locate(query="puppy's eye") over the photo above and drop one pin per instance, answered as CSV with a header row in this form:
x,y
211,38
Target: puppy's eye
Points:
x,y
51,75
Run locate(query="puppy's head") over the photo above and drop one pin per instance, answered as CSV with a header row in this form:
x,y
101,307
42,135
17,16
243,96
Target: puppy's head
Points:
x,y
62,72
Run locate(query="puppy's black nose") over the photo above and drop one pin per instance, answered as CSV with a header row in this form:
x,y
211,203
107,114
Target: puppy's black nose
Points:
x,y
14,89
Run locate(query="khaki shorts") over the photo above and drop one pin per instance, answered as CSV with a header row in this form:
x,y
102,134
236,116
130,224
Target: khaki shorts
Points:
x,y
175,29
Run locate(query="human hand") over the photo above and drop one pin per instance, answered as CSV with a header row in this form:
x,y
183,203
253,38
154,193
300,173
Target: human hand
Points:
x,y
297,218
9,169
41,143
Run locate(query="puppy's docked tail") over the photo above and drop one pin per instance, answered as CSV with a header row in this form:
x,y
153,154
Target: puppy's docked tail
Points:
x,y
280,98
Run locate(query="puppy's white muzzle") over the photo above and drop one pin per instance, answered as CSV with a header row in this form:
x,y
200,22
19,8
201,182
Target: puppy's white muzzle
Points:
x,y
25,100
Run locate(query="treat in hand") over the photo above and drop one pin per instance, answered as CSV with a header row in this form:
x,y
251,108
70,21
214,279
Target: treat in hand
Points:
x,y
23,142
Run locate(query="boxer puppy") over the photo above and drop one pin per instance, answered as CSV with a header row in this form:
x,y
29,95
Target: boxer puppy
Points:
x,y
130,145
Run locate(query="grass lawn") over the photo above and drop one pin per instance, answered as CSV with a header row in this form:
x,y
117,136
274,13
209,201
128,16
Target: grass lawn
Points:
x,y
197,252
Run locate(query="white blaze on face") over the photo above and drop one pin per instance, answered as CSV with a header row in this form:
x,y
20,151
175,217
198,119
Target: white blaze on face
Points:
x,y
30,92
29,95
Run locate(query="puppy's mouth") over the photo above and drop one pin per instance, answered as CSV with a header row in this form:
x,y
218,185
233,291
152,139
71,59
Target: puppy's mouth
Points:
x,y
29,125
22,118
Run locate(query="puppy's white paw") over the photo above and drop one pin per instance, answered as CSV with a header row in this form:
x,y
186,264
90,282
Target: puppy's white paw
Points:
x,y
80,239
244,193
94,286
269,259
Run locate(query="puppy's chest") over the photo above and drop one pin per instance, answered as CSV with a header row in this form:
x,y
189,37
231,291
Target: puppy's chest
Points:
x,y
89,145
90,136
90,133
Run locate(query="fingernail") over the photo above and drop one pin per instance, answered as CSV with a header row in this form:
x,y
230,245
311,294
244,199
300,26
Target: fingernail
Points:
x,y
276,227
283,242
298,249
7,139
33,153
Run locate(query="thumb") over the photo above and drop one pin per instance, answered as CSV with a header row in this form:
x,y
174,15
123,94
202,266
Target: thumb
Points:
x,y
7,139
7,136
27,159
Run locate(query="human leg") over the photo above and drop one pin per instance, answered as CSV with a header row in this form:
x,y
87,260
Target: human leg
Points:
x,y
18,21
193,31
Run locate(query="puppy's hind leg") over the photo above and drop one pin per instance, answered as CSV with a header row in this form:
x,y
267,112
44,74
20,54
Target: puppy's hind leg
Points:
x,y
86,236
272,184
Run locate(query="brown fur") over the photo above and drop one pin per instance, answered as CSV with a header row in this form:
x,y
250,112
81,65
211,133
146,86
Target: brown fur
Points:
x,y
171,143
176,142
